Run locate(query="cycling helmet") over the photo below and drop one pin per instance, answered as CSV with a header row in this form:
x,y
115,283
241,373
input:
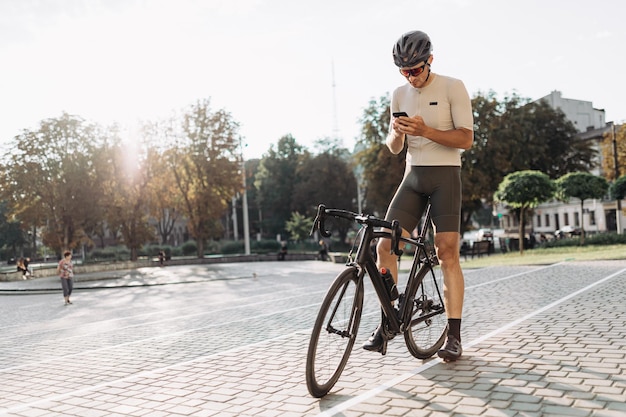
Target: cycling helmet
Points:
x,y
411,49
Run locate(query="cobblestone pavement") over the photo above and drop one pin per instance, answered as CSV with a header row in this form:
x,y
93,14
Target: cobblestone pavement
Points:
x,y
231,340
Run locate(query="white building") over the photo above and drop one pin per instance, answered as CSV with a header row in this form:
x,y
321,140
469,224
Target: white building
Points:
x,y
581,113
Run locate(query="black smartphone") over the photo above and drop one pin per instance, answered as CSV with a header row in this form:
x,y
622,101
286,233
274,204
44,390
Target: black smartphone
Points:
x,y
400,113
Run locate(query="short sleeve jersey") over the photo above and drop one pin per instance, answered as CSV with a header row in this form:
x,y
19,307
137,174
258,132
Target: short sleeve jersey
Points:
x,y
444,104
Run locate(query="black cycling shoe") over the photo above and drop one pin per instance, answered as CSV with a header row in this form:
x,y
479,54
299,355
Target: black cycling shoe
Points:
x,y
376,342
451,351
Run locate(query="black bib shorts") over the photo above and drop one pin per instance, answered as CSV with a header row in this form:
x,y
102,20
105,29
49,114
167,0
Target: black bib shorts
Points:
x,y
442,184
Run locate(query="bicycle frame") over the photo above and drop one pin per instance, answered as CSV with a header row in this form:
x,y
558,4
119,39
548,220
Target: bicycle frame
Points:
x,y
398,320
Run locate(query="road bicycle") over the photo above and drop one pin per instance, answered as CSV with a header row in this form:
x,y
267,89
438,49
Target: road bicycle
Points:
x,y
419,314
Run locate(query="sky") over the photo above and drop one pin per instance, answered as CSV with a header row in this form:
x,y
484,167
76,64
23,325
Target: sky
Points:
x,y
281,67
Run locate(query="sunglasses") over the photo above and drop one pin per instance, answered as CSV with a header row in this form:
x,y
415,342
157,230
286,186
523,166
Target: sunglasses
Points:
x,y
413,72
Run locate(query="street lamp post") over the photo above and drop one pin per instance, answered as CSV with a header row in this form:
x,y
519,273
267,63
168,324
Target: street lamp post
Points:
x,y
246,222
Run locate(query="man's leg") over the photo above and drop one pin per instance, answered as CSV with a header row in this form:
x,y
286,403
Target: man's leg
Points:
x,y
447,245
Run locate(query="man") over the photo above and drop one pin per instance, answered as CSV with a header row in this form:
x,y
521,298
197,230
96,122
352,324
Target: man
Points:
x,y
439,124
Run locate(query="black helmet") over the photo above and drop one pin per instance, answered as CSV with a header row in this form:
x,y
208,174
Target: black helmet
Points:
x,y
411,49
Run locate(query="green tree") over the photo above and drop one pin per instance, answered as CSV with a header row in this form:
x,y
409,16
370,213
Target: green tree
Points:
x,y
11,234
581,185
618,188
275,182
524,190
481,166
204,165
382,171
299,226
326,178
51,180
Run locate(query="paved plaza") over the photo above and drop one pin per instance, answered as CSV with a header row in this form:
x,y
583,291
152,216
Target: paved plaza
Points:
x,y
231,340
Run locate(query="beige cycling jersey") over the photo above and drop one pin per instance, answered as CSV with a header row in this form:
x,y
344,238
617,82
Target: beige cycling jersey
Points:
x,y
444,104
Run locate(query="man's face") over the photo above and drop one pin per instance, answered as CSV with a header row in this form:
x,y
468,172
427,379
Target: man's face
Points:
x,y
418,74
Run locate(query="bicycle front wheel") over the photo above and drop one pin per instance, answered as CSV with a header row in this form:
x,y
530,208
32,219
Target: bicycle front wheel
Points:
x,y
334,333
429,325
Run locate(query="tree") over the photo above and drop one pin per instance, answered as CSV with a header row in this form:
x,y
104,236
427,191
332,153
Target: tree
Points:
x,y
382,170
581,185
128,193
11,234
618,188
612,145
326,178
481,167
275,182
205,168
51,180
523,190
552,145
299,226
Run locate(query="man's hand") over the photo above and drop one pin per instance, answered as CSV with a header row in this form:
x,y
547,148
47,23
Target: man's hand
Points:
x,y
413,126
460,138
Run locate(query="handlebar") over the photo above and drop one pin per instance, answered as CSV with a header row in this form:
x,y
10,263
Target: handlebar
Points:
x,y
366,219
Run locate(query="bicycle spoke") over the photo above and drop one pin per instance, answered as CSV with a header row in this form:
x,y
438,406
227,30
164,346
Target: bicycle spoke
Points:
x,y
428,326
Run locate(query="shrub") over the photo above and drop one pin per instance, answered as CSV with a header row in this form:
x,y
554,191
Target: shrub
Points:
x,y
265,246
233,247
110,253
610,238
189,248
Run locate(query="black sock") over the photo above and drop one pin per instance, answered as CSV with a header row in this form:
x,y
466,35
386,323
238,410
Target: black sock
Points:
x,y
454,328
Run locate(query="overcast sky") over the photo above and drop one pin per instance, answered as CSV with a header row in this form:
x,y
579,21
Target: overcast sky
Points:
x,y
270,63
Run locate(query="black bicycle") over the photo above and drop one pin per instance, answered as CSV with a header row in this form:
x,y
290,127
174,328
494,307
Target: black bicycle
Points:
x,y
419,314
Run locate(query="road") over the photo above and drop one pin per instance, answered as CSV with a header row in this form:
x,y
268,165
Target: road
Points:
x,y
231,339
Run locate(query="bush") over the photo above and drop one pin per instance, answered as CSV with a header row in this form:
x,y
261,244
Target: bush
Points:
x,y
189,248
265,246
233,247
110,253
610,238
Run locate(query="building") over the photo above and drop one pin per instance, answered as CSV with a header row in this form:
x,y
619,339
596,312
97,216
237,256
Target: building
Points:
x,y
581,113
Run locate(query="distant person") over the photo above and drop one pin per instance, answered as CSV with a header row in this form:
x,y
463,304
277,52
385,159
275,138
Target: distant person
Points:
x,y
283,251
322,253
22,268
26,264
532,241
161,258
65,269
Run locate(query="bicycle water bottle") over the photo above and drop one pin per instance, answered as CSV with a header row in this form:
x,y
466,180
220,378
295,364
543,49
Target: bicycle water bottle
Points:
x,y
392,289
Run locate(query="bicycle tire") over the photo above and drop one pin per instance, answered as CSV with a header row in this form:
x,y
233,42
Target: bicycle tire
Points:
x,y
424,337
334,333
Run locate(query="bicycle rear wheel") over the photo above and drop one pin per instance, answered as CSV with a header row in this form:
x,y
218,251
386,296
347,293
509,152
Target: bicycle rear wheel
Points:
x,y
429,324
334,333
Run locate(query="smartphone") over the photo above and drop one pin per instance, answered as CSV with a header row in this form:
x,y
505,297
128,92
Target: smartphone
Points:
x,y
400,113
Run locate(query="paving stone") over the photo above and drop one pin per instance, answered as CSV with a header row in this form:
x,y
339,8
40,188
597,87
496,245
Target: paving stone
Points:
x,y
236,346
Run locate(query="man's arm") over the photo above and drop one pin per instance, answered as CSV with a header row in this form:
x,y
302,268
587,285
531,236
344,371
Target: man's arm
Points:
x,y
460,138
395,141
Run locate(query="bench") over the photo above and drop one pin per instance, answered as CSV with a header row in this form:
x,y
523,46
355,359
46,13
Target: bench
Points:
x,y
338,257
477,249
